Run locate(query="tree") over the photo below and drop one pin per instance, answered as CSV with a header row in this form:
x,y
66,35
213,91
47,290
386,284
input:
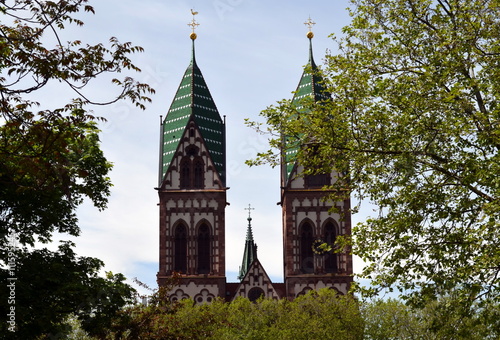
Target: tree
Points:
x,y
317,315
444,318
51,285
414,124
50,159
392,319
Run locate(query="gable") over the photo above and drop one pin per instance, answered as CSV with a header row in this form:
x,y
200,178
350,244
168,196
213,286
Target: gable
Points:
x,y
193,102
191,154
256,283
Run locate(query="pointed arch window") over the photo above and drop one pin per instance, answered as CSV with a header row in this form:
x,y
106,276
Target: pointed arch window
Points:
x,y
317,181
185,173
204,257
180,248
255,293
306,251
192,169
331,257
198,173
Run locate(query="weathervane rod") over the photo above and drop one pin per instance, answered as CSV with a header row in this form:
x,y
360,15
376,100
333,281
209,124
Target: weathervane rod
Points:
x,y
193,24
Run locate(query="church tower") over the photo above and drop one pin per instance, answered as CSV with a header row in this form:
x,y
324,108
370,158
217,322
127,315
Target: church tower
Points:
x,y
192,190
307,219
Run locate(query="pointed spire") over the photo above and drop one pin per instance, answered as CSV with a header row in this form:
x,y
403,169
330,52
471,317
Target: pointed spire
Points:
x,y
193,23
311,59
311,85
309,23
250,252
249,230
193,58
193,102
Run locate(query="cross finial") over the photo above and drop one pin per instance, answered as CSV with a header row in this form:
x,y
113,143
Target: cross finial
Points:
x,y
309,23
249,210
193,24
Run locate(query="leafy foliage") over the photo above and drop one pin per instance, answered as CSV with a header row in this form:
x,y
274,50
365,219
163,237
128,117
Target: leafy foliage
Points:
x,y
28,64
317,315
415,123
444,318
50,161
48,166
313,316
51,285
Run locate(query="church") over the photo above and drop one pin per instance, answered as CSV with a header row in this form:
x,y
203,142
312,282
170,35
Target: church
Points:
x,y
192,202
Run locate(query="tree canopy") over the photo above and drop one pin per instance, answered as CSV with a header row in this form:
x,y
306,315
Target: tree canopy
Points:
x,y
51,160
316,315
51,285
414,123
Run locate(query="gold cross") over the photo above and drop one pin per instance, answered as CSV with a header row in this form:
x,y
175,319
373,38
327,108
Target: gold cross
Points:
x,y
193,22
309,23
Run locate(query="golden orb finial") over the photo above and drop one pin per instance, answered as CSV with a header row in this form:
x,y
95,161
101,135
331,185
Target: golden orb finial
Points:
x,y
193,25
309,23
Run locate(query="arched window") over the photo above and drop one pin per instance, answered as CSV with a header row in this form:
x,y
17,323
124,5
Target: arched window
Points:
x,y
204,249
317,181
255,293
306,251
185,173
331,257
192,169
198,173
180,249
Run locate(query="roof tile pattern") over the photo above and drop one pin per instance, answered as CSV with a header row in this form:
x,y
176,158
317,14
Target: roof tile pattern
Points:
x,y
311,85
193,101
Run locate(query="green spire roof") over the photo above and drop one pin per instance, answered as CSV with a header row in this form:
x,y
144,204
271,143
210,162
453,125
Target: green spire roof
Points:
x,y
193,101
250,253
311,85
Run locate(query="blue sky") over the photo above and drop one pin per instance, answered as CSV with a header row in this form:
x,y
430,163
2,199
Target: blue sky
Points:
x,y
251,54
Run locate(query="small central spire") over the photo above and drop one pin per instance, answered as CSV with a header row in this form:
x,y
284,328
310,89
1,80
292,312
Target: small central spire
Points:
x,y
249,211
193,25
249,219
250,252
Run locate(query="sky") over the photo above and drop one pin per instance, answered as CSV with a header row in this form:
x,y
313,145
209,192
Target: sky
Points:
x,y
251,54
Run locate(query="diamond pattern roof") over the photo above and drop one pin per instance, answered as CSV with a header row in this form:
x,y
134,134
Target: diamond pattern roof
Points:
x,y
193,100
310,85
